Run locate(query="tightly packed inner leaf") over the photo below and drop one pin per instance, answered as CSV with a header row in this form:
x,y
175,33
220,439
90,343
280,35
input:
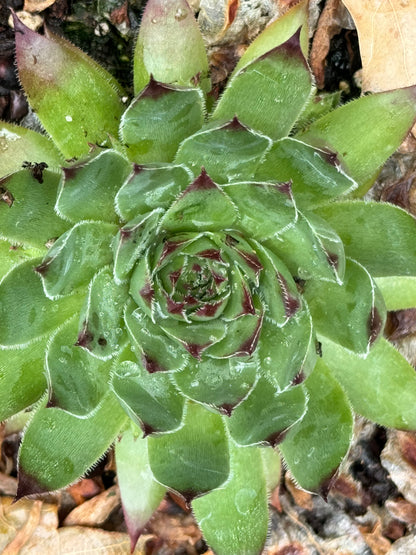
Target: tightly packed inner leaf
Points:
x,y
197,286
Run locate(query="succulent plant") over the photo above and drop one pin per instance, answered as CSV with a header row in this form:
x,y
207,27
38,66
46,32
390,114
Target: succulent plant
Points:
x,y
198,282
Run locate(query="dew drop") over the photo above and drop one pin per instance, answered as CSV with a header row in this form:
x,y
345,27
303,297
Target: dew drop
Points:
x,y
154,20
180,14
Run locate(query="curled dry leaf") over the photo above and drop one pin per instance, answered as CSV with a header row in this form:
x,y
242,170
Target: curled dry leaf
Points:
x,y
37,5
387,36
95,511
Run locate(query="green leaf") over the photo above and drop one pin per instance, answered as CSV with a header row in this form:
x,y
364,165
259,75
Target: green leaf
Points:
x,y
274,202
133,476
150,399
77,381
18,145
317,107
381,386
87,190
314,176
279,32
229,152
315,447
194,459
398,292
202,206
382,237
22,377
283,83
267,414
379,121
157,351
12,255
30,219
220,382
59,447
272,465
77,101
169,32
151,187
234,518
352,314
158,120
287,353
25,313
75,257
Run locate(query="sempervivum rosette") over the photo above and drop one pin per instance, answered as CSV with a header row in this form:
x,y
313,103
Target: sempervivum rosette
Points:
x,y
203,288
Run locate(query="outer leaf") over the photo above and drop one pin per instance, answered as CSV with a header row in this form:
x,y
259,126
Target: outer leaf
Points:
x,y
279,32
382,237
383,119
18,145
25,313
352,314
76,256
77,381
134,476
150,399
11,255
87,190
59,447
169,32
267,414
195,459
230,152
151,187
399,292
381,386
285,82
22,378
77,101
314,448
314,175
158,120
30,219
234,518
100,320
272,464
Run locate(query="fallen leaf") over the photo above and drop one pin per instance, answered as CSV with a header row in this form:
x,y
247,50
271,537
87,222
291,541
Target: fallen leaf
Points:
x,y
402,509
378,544
399,458
387,37
95,511
37,5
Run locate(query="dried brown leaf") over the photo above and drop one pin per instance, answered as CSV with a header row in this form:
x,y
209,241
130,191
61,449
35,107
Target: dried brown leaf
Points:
x,y
387,37
95,511
399,458
37,5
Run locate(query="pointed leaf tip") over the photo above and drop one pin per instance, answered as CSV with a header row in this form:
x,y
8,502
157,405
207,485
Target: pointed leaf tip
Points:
x,y
28,485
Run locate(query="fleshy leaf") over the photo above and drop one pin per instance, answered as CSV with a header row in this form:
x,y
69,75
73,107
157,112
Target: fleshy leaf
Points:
x,y
77,101
75,257
59,447
202,206
382,121
100,322
151,187
314,448
279,32
272,465
22,378
398,292
382,237
150,399
267,414
220,382
87,190
283,77
169,32
156,351
315,174
352,314
30,218
273,201
230,152
287,354
381,386
234,518
134,476
158,120
25,313
77,382
12,255
194,459
19,145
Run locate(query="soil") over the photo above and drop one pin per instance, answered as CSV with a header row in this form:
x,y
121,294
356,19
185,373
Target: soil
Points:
x,y
371,509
